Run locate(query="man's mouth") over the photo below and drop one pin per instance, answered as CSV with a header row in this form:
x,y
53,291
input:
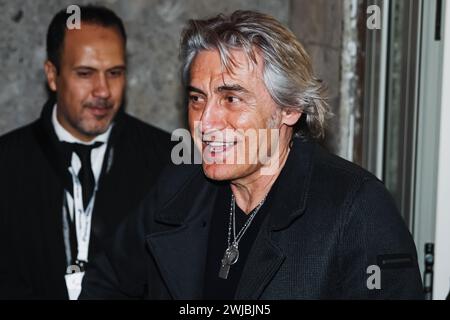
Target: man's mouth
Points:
x,y
214,147
99,110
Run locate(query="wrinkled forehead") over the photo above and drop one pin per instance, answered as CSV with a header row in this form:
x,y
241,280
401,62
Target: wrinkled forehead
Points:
x,y
232,64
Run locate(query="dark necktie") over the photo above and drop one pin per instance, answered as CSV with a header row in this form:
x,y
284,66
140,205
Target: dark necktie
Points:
x,y
86,175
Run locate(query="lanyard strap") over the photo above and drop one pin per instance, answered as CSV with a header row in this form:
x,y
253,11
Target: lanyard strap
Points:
x,y
83,218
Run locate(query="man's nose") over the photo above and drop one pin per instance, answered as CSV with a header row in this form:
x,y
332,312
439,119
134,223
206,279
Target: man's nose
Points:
x,y
213,117
101,87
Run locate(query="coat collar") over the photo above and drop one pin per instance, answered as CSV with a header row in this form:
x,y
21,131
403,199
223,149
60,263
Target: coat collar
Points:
x,y
180,251
289,201
175,200
49,144
292,186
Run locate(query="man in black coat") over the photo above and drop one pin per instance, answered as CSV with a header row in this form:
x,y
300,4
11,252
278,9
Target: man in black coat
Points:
x,y
269,214
69,179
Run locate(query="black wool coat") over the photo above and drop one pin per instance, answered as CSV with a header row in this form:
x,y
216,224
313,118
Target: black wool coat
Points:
x,y
328,224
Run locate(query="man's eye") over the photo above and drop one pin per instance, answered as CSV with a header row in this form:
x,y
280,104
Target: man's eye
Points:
x,y
196,102
84,74
116,73
232,99
195,99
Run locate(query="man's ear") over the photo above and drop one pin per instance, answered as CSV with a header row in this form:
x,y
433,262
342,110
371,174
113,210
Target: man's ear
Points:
x,y
290,116
51,73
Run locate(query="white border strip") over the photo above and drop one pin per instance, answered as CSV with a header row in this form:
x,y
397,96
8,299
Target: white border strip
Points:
x,y
382,91
442,249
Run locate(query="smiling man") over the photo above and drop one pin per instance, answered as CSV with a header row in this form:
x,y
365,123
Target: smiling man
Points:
x,y
266,216
68,179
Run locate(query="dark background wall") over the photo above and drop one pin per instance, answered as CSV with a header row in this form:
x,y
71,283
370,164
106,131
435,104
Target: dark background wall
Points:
x,y
318,25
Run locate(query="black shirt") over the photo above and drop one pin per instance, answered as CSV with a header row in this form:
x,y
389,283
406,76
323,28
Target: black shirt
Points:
x,y
216,288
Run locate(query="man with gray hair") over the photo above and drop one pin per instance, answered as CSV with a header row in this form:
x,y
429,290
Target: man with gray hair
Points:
x,y
269,214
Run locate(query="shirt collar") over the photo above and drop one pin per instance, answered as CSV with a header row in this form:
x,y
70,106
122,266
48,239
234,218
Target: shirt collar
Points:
x,y
66,136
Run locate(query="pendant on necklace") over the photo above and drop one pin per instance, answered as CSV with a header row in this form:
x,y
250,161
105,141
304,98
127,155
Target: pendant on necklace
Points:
x,y
230,257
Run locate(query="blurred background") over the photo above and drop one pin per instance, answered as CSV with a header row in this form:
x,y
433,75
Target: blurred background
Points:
x,y
386,64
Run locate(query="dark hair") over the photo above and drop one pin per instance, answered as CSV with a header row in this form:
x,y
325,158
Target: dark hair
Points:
x,y
91,14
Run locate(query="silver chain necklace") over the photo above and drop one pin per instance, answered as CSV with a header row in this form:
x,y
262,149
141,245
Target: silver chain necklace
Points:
x,y
231,254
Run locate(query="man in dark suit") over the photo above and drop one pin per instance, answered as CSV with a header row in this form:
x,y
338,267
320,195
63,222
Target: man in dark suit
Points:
x,y
269,214
69,179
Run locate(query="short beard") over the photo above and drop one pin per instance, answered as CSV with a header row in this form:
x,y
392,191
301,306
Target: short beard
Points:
x,y
92,132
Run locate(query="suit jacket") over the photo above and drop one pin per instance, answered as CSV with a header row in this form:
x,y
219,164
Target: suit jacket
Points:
x,y
329,222
32,176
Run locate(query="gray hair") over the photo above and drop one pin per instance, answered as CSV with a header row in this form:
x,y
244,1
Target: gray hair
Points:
x,y
288,73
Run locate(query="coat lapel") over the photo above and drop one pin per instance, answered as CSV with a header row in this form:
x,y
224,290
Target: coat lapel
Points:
x,y
180,252
287,201
50,146
262,264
